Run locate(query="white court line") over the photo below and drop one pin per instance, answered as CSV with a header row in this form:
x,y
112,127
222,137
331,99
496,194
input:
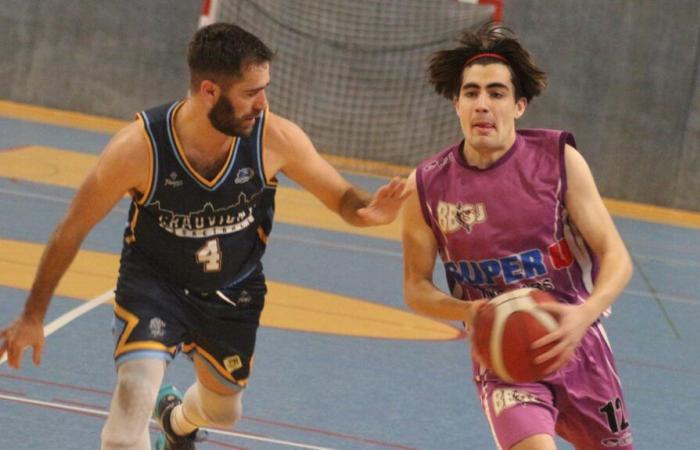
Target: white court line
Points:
x,y
99,412
73,314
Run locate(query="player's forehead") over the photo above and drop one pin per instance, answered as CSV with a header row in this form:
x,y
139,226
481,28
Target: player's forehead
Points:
x,y
483,75
253,76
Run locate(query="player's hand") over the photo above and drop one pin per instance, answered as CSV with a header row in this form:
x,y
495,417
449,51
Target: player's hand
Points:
x,y
473,309
574,320
22,333
385,203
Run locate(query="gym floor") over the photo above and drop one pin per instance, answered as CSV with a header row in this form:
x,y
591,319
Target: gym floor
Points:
x,y
341,362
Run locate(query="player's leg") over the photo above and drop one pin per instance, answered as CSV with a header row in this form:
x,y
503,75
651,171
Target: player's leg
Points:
x,y
132,402
521,416
222,355
208,403
147,331
593,414
536,442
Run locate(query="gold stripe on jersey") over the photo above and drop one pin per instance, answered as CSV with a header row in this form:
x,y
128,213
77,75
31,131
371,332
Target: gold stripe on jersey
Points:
x,y
151,162
131,321
181,152
214,363
262,235
132,225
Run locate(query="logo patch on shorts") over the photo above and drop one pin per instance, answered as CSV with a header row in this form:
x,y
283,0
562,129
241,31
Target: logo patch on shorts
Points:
x,y
233,363
505,398
244,297
156,327
621,441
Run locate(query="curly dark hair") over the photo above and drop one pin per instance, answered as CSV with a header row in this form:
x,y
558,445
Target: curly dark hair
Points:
x,y
220,51
446,67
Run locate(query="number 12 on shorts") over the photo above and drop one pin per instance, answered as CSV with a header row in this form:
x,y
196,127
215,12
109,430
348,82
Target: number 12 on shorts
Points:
x,y
210,256
610,410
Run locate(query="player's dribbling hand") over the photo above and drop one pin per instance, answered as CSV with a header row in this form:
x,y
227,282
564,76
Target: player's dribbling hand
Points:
x,y
385,203
574,320
22,333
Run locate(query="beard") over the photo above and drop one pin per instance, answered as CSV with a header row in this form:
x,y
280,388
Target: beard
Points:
x,y
223,118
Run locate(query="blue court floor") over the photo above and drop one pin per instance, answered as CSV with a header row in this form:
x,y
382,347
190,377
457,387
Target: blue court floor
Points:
x,y
316,390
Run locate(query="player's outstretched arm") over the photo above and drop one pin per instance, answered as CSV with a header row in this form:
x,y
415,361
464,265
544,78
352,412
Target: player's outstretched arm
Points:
x,y
593,220
291,151
122,167
419,251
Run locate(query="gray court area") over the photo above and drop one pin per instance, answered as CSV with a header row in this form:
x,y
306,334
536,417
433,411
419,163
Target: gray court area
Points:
x,y
317,390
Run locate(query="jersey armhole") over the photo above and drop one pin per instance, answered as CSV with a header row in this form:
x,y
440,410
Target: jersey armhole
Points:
x,y
420,189
564,138
261,148
152,162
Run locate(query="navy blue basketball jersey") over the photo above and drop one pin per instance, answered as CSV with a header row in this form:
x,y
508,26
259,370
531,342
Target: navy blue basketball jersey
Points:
x,y
200,234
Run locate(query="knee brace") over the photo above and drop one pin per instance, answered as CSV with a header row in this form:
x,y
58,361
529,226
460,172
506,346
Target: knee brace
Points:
x,y
203,407
132,404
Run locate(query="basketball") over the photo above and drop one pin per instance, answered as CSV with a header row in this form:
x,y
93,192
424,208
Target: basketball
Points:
x,y
506,327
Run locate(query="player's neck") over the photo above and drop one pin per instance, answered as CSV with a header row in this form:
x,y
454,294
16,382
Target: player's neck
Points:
x,y
482,157
196,134
484,154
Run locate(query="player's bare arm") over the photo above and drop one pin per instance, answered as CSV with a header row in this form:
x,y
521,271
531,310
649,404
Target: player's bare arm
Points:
x,y
588,212
289,150
420,250
123,167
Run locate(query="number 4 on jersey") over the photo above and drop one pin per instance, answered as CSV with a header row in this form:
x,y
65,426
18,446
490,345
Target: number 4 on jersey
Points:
x,y
210,255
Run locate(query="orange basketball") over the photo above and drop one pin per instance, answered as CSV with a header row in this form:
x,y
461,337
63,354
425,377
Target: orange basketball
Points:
x,y
506,327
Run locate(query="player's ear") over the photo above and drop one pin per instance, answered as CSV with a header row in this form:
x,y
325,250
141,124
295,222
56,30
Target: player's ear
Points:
x,y
209,90
520,107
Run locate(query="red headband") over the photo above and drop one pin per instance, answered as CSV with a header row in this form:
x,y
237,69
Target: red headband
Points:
x,y
486,55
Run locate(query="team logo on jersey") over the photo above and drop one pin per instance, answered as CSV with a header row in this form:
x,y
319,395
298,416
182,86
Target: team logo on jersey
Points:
x,y
455,216
439,163
156,327
244,175
208,221
172,180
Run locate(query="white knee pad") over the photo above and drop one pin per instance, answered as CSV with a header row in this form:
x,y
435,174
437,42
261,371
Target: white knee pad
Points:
x,y
203,407
132,404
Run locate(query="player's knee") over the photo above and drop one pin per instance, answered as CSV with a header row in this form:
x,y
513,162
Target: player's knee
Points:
x,y
118,441
136,393
212,409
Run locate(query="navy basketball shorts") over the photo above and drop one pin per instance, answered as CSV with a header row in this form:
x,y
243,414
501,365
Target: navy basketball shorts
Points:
x,y
155,319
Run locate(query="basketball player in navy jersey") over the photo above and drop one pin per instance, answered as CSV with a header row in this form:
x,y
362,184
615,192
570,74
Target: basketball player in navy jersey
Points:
x,y
201,173
506,209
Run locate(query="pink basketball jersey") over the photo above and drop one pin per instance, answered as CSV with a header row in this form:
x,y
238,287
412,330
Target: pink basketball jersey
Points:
x,y
506,226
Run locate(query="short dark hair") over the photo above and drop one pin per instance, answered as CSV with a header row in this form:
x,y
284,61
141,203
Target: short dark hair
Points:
x,y
221,51
446,67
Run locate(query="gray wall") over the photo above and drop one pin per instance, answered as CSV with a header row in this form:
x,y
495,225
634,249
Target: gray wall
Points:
x,y
624,78
623,75
101,57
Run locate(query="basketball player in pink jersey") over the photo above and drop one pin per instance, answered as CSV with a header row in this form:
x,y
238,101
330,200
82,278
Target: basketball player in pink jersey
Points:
x,y
506,209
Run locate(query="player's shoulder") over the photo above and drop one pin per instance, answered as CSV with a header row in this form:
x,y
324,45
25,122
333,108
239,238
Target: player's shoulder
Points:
x,y
540,136
130,142
278,127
